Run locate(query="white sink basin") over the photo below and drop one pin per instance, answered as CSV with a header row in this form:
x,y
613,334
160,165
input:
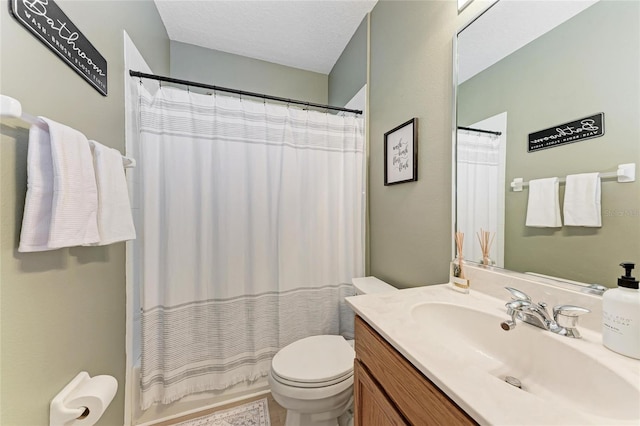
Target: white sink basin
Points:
x,y
547,365
455,341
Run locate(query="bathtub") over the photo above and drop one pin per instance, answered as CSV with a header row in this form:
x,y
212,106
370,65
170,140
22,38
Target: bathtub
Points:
x,y
191,403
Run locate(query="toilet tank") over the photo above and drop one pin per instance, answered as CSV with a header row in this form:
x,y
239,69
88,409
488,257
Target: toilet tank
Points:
x,y
369,285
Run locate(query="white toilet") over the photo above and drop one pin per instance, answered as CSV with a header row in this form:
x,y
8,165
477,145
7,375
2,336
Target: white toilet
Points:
x,y
313,377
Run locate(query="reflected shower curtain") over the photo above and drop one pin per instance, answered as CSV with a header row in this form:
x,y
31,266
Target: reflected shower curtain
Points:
x,y
252,229
478,168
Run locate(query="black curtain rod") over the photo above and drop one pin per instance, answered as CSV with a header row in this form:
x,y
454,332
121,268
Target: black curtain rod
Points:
x,y
238,92
491,132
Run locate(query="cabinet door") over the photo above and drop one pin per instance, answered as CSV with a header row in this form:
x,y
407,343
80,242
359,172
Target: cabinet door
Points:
x,y
372,408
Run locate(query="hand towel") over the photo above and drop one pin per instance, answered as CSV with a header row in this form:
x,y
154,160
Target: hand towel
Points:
x,y
115,222
36,219
75,195
582,200
543,208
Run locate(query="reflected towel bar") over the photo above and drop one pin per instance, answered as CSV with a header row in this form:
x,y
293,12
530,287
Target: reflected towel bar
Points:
x,y
625,173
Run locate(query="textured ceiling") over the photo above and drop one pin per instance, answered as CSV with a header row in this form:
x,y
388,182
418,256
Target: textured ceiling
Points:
x,y
306,34
508,26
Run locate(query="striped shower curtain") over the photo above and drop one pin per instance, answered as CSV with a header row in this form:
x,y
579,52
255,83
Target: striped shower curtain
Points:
x,y
251,223
478,191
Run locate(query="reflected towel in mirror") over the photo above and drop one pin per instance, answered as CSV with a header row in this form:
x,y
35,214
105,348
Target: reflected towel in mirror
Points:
x,y
582,200
543,207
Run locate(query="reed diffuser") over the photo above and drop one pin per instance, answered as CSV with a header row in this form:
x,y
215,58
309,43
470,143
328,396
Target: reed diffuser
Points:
x,y
459,243
457,277
486,239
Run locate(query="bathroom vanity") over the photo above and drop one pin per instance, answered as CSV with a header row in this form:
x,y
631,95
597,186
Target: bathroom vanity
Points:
x,y
391,391
431,355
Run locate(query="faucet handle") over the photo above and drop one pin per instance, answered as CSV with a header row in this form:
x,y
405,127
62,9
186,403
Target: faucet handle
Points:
x,y
567,316
517,294
570,310
517,304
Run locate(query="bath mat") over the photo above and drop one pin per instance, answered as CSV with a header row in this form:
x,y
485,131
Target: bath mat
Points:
x,y
254,413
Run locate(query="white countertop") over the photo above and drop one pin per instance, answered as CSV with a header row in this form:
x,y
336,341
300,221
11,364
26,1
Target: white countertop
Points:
x,y
485,398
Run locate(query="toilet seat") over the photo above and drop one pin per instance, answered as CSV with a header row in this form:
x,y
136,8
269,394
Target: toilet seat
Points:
x,y
314,362
299,384
319,393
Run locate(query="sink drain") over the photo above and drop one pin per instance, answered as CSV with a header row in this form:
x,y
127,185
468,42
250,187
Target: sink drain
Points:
x,y
513,381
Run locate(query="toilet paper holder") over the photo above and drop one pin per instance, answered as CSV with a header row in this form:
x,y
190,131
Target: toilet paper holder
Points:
x,y
60,414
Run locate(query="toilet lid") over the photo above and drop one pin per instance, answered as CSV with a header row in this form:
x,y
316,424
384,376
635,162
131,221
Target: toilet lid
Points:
x,y
314,359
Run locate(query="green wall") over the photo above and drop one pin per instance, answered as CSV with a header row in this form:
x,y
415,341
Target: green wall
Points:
x,y
63,311
411,76
349,73
196,63
590,64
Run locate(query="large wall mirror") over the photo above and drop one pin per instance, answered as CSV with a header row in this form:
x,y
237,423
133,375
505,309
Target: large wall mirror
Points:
x,y
525,66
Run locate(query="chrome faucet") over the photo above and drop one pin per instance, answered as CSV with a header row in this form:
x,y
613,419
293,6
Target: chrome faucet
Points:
x,y
563,321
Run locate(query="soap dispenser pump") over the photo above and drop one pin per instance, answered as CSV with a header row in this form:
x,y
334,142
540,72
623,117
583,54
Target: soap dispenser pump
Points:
x,y
621,315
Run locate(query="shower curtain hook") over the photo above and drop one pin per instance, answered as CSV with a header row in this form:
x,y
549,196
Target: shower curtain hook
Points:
x,y
188,89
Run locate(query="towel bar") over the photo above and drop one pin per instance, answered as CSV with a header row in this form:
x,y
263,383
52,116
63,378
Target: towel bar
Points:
x,y
11,108
625,173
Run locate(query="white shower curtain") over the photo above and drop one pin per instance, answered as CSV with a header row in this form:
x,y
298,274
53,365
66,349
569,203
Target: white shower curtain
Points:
x,y
252,228
478,189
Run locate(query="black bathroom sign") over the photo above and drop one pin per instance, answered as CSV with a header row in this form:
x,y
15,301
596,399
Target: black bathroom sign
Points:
x,y
47,22
574,131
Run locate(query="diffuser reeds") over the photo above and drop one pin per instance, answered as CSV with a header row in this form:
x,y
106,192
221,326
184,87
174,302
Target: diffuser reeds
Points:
x,y
457,278
459,238
486,239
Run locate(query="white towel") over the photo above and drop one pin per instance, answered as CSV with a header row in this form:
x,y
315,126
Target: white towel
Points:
x,y
36,219
543,208
115,222
582,200
75,195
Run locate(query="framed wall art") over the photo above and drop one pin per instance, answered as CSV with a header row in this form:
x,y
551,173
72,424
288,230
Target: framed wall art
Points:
x,y
401,153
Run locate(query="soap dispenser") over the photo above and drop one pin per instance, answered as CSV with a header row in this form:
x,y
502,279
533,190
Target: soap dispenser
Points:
x,y
621,315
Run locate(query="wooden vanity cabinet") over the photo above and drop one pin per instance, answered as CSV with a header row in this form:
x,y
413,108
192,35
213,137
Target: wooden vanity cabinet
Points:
x,y
391,391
